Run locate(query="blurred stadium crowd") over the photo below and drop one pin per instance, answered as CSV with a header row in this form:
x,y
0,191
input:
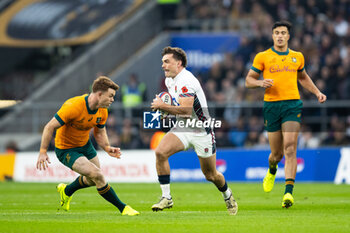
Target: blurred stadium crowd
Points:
x,y
321,31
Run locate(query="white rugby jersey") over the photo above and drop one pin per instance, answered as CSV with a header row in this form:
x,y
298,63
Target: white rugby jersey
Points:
x,y
185,84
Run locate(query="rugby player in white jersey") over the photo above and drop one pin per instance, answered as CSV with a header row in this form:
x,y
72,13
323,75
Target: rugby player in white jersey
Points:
x,y
189,103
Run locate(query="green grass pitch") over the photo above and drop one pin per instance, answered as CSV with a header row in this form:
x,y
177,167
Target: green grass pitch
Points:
x,y
198,207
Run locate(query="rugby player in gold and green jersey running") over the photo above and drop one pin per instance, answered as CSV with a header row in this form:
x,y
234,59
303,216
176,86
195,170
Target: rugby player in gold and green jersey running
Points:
x,y
73,123
282,68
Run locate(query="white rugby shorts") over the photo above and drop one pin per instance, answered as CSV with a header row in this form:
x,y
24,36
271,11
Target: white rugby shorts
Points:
x,y
204,145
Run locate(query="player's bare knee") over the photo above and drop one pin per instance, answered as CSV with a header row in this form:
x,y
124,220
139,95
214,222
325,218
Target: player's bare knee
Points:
x,y
96,176
289,150
161,155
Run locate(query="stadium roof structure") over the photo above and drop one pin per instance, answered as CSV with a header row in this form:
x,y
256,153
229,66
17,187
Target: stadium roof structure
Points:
x,y
34,23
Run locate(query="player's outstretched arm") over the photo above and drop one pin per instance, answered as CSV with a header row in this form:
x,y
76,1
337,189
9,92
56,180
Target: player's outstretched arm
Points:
x,y
252,80
306,82
43,159
101,137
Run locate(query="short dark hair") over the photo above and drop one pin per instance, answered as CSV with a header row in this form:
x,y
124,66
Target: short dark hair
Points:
x,y
286,24
178,54
102,83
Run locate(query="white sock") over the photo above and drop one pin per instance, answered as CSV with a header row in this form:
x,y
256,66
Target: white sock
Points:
x,y
227,193
165,190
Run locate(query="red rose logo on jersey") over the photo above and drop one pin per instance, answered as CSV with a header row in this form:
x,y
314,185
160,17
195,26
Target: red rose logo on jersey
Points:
x,y
184,89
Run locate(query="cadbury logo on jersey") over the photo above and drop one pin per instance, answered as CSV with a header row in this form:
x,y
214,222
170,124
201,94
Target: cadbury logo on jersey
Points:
x,y
276,68
80,127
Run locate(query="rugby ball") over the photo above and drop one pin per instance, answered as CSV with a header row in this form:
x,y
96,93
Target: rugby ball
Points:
x,y
166,98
